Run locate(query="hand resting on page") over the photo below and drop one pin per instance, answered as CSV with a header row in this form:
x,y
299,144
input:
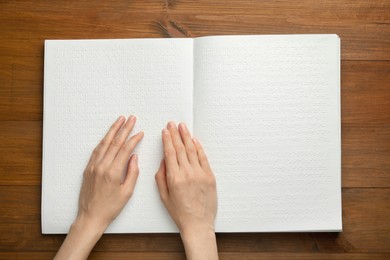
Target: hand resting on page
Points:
x,y
185,181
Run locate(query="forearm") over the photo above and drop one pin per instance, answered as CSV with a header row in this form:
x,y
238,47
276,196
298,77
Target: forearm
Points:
x,y
80,240
200,244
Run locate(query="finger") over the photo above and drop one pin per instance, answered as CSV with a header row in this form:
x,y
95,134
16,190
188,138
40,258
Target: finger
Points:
x,y
131,176
161,180
203,161
124,153
178,144
169,152
119,140
101,148
189,145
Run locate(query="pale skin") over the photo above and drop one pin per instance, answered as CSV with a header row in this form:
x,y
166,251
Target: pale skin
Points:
x,y
185,182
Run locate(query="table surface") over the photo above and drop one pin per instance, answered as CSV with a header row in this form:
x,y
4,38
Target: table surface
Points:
x,y
364,29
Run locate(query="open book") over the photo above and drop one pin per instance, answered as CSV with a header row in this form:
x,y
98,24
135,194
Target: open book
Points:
x,y
265,108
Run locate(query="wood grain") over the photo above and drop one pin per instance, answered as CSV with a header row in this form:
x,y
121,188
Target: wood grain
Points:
x,y
180,255
365,229
362,25
364,28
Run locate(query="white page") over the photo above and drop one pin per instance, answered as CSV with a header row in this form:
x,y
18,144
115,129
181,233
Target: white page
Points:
x,y
267,110
88,84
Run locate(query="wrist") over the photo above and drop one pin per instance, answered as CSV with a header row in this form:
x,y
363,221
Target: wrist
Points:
x,y
82,237
190,232
200,243
91,221
91,229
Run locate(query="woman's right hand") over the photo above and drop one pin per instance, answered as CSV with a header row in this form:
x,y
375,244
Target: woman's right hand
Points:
x,y
188,190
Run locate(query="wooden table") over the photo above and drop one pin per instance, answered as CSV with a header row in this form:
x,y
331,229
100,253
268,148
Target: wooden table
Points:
x,y
364,28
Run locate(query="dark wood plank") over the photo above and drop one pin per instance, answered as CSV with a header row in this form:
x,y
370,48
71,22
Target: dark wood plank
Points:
x,y
21,105
181,255
21,73
366,218
365,34
365,155
20,133
365,92
240,255
364,28
20,165
20,205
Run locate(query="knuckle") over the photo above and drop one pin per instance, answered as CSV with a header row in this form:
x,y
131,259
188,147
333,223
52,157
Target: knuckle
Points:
x,y
189,171
192,178
211,181
116,142
190,149
99,169
123,150
169,152
180,148
96,152
87,172
103,142
179,182
110,171
173,181
109,176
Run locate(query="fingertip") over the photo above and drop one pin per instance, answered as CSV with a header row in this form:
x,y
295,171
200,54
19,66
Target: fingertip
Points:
x,y
184,127
171,125
165,132
183,130
118,123
132,118
120,119
133,162
138,137
142,134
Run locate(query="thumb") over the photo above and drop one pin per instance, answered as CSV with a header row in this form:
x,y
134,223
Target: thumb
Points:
x,y
132,174
161,180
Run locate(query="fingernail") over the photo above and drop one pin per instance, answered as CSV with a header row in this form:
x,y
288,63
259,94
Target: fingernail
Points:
x,y
132,118
165,131
183,126
119,119
171,125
